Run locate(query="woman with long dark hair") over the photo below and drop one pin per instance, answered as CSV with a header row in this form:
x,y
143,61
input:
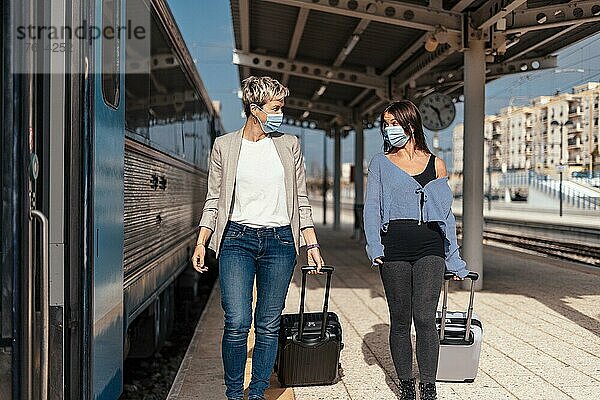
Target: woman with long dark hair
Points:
x,y
411,236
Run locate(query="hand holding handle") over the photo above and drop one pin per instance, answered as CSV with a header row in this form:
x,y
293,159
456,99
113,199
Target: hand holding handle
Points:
x,y
472,275
305,270
324,268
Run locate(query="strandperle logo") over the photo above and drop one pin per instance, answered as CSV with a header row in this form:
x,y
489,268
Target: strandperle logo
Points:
x,y
85,31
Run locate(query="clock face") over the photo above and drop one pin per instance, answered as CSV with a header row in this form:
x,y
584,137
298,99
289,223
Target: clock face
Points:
x,y
437,110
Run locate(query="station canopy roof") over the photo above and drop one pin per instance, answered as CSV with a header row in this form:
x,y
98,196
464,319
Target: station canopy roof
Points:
x,y
344,59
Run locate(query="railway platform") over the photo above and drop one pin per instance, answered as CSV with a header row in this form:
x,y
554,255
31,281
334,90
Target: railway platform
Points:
x,y
541,331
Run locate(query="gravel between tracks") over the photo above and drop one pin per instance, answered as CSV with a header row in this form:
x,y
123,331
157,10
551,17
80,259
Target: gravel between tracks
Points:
x,y
151,378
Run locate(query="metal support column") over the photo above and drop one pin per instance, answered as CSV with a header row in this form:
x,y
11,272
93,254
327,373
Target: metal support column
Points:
x,y
474,114
359,174
337,173
325,184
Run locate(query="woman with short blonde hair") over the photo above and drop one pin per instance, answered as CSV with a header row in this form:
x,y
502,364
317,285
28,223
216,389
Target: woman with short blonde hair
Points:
x,y
256,217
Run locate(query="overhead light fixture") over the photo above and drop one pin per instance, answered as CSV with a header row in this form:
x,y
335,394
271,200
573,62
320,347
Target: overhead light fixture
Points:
x,y
431,43
321,90
305,114
353,41
439,35
512,43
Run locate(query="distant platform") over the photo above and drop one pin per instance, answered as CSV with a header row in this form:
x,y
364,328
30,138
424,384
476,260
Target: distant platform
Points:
x,y
524,212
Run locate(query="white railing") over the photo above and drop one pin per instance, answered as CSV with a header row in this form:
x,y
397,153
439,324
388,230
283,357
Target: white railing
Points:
x,y
572,193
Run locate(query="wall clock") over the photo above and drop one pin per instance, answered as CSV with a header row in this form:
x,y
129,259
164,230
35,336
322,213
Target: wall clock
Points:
x,y
438,111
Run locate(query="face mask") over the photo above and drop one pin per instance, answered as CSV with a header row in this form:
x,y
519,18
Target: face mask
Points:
x,y
273,122
395,136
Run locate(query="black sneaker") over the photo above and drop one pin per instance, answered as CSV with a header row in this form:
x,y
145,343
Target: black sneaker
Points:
x,y
427,390
407,389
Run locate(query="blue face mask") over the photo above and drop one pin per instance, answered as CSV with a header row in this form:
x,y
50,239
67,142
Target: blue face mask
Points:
x,y
272,123
395,136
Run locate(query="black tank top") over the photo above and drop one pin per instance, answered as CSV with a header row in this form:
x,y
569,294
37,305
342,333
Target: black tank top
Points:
x,y
428,173
405,239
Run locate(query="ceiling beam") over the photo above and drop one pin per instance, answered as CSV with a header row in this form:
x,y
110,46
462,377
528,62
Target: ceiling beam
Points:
x,y
543,42
373,107
317,106
244,9
416,46
453,88
296,37
245,24
298,31
359,98
387,12
532,19
492,71
420,66
309,70
461,5
345,51
492,11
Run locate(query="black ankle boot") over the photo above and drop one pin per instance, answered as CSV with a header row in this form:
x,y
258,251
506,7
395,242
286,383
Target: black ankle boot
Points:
x,y
407,389
427,390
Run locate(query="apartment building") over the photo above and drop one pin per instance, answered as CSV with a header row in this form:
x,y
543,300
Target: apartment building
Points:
x,y
588,139
493,154
550,131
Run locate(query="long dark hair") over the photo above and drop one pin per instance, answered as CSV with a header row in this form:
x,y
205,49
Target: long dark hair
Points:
x,y
408,116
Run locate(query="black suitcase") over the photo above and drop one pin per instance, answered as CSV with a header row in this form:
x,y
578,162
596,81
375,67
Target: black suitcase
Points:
x,y
309,343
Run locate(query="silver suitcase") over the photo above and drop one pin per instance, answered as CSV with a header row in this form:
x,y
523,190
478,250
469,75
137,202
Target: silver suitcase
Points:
x,y
461,334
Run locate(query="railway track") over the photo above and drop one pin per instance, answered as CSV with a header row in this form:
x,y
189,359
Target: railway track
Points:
x,y
565,249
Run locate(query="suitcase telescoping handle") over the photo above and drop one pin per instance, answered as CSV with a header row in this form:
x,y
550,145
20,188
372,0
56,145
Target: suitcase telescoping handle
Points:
x,y
305,270
473,276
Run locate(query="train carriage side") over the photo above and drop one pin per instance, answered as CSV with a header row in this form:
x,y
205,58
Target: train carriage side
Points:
x,y
170,127
104,174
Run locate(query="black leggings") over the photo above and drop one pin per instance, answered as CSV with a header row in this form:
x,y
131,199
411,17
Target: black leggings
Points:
x,y
413,291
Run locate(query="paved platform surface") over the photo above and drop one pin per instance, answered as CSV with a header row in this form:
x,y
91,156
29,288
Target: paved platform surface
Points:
x,y
541,331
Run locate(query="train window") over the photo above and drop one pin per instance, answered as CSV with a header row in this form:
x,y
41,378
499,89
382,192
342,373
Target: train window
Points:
x,y
163,106
111,48
137,75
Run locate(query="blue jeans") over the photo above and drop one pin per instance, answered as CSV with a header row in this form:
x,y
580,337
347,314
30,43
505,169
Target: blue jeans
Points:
x,y
270,255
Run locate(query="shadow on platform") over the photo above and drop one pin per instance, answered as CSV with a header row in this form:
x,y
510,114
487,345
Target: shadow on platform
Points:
x,y
554,283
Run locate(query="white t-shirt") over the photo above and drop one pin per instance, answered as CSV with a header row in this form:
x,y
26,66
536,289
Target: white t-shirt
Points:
x,y
260,198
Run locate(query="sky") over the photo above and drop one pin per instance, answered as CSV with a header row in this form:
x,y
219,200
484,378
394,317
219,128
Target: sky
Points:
x,y
207,28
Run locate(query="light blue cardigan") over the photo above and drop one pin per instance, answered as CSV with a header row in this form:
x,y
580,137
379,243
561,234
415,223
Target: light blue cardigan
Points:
x,y
394,194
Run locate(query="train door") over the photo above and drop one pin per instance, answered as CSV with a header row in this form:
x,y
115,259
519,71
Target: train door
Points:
x,y
44,178
107,212
24,308
8,260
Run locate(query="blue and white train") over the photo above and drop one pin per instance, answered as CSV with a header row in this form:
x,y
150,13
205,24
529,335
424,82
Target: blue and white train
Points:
x,y
104,150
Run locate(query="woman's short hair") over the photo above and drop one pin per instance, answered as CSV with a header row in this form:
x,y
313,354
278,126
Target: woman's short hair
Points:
x,y
406,113
260,90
